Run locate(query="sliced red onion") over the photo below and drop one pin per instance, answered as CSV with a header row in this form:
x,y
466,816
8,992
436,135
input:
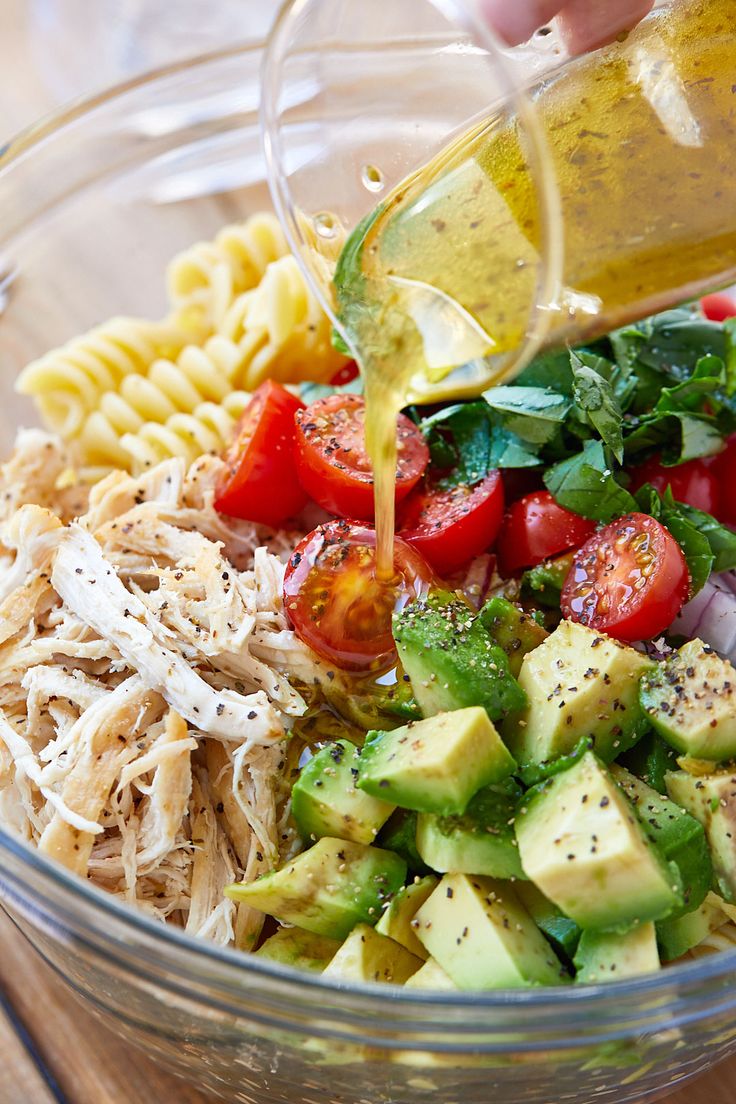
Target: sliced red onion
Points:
x,y
711,615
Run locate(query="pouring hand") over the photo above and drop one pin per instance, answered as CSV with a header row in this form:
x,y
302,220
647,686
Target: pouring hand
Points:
x,y
585,24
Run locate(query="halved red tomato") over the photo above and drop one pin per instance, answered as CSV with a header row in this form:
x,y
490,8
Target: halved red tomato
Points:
x,y
336,602
630,580
693,482
719,306
535,529
346,374
332,462
260,483
724,469
450,527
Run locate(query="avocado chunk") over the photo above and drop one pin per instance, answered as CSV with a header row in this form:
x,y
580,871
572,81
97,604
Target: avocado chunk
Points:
x,y
605,956
578,683
325,801
386,701
435,765
679,837
676,937
396,921
452,661
544,583
512,629
328,889
562,932
582,845
431,976
399,834
650,760
482,936
480,841
691,701
301,949
368,956
711,799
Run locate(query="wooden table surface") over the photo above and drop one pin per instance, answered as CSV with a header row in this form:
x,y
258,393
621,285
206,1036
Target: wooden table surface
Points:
x,y
41,1025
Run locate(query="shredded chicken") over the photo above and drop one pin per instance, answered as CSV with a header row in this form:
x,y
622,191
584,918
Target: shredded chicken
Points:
x,y
149,683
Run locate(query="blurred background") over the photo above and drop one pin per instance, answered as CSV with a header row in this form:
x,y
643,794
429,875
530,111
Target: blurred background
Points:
x,y
57,50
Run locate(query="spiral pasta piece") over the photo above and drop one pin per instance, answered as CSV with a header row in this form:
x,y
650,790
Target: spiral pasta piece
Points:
x,y
198,376
205,279
281,329
67,383
209,428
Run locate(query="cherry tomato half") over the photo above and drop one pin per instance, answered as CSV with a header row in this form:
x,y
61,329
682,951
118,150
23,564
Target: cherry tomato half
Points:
x,y
694,482
336,602
535,529
719,306
333,464
450,527
630,580
260,483
724,469
346,374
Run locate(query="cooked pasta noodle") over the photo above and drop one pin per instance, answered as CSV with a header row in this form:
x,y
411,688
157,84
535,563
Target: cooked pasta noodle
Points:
x,y
208,428
205,279
724,939
67,383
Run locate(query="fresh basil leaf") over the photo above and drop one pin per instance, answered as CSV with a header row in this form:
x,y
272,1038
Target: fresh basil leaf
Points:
x,y
594,396
349,279
467,441
586,485
729,328
672,342
339,343
535,414
509,451
679,436
550,371
309,392
722,540
694,544
709,375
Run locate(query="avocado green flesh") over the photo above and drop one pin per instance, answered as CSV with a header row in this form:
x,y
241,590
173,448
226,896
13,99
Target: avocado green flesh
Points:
x,y
481,841
368,956
399,834
578,684
512,629
325,801
603,957
479,933
691,701
452,661
435,765
544,583
711,799
562,932
650,760
678,836
431,976
328,889
582,845
302,949
396,921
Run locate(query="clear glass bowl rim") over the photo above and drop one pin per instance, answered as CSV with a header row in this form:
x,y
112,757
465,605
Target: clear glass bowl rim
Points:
x,y
235,977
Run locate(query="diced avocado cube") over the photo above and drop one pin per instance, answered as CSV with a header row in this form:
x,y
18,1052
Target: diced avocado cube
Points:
x,y
679,837
435,765
399,834
396,921
368,956
298,948
578,683
543,584
512,629
370,702
431,976
606,956
583,846
676,937
562,932
691,701
712,800
451,659
650,760
482,936
328,889
325,801
480,841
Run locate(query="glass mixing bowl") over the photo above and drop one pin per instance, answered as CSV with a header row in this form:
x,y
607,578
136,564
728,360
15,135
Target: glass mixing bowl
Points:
x,y
94,202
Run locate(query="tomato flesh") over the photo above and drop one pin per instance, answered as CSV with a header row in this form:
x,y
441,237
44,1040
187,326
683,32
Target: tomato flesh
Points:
x,y
259,483
630,580
336,602
719,306
332,462
694,482
346,374
535,529
724,469
450,527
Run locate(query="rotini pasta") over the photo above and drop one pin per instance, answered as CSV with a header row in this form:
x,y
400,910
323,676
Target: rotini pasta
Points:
x,y
203,281
208,428
67,383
